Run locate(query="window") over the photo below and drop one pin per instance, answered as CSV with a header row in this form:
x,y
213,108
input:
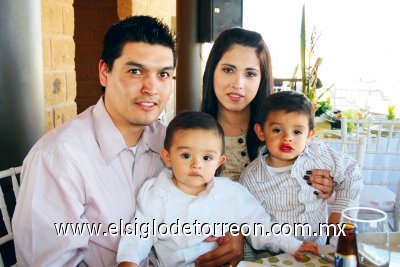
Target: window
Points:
x,y
359,44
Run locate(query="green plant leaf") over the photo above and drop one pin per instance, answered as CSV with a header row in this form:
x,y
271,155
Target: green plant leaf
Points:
x,y
303,51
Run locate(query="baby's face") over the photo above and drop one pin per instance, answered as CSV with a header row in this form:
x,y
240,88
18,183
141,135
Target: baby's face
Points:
x,y
286,135
194,156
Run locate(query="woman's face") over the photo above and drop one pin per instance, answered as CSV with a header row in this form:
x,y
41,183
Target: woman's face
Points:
x,y
237,78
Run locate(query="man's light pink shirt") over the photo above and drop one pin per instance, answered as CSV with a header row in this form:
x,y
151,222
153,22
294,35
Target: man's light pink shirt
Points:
x,y
81,172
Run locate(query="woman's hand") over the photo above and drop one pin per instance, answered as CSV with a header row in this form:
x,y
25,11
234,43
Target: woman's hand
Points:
x,y
320,180
229,252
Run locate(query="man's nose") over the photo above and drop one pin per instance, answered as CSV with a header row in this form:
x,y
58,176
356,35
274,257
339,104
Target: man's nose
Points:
x,y
150,85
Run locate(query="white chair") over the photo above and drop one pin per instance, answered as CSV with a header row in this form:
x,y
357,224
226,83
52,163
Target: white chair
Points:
x,y
381,170
6,174
354,148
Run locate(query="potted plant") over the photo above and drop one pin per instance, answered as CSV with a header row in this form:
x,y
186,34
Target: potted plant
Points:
x,y
391,112
311,85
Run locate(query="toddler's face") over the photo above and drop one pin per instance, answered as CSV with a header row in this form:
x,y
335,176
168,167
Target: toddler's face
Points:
x,y
286,135
194,156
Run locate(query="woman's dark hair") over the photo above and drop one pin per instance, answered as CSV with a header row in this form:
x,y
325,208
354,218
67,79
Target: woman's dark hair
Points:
x,y
193,120
288,101
135,29
224,42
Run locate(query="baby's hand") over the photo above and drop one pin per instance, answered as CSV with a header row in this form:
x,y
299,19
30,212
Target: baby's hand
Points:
x,y
307,246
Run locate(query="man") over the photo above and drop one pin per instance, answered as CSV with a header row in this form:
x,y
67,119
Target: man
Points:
x,y
87,172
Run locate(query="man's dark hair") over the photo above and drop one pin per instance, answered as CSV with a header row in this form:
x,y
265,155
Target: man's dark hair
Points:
x,y
135,29
192,120
288,101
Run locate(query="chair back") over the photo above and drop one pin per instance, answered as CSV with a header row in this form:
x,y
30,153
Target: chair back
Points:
x,y
7,178
354,148
381,170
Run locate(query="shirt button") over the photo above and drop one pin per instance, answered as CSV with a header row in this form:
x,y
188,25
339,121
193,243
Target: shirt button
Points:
x,y
243,153
240,140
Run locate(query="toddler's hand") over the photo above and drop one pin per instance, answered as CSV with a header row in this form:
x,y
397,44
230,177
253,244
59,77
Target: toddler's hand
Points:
x,y
307,246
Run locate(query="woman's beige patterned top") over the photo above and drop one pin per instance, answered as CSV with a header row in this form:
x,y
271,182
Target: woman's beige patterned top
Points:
x,y
237,157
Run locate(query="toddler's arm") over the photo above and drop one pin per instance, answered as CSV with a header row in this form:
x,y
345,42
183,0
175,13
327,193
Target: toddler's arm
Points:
x,y
307,246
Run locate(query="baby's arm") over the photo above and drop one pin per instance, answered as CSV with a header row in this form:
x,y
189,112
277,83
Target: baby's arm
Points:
x,y
251,212
134,246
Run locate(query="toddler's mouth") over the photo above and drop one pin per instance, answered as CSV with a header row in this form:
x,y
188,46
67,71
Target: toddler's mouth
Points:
x,y
285,148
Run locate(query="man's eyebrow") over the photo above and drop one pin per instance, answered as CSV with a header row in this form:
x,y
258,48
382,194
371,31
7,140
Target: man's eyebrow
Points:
x,y
135,64
132,63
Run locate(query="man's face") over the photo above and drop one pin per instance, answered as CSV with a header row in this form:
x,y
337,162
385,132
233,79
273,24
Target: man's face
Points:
x,y
139,84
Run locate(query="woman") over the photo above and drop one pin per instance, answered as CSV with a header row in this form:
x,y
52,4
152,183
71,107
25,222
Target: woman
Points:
x,y
237,77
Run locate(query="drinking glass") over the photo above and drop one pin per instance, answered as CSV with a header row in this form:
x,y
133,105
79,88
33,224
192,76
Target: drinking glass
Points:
x,y
372,234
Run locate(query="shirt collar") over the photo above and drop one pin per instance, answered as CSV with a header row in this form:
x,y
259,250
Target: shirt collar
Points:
x,y
312,153
110,139
164,182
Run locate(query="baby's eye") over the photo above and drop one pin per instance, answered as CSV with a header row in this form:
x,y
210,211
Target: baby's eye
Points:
x,y
297,132
207,158
186,156
276,130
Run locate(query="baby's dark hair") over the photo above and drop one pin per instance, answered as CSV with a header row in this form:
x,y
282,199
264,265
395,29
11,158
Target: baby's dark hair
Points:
x,y
192,120
289,101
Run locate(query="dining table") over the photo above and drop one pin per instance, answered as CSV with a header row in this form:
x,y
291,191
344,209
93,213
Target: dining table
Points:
x,y
310,260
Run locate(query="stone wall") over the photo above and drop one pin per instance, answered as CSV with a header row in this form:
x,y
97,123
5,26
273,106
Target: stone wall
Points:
x,y
58,61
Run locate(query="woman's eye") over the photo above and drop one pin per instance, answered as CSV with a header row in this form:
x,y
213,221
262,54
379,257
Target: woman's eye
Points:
x,y
135,71
228,70
297,132
276,130
207,158
251,74
186,156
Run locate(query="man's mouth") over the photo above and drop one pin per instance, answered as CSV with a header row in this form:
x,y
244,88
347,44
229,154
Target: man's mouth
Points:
x,y
147,104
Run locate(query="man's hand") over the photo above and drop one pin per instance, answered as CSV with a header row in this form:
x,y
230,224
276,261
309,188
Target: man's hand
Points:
x,y
229,252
